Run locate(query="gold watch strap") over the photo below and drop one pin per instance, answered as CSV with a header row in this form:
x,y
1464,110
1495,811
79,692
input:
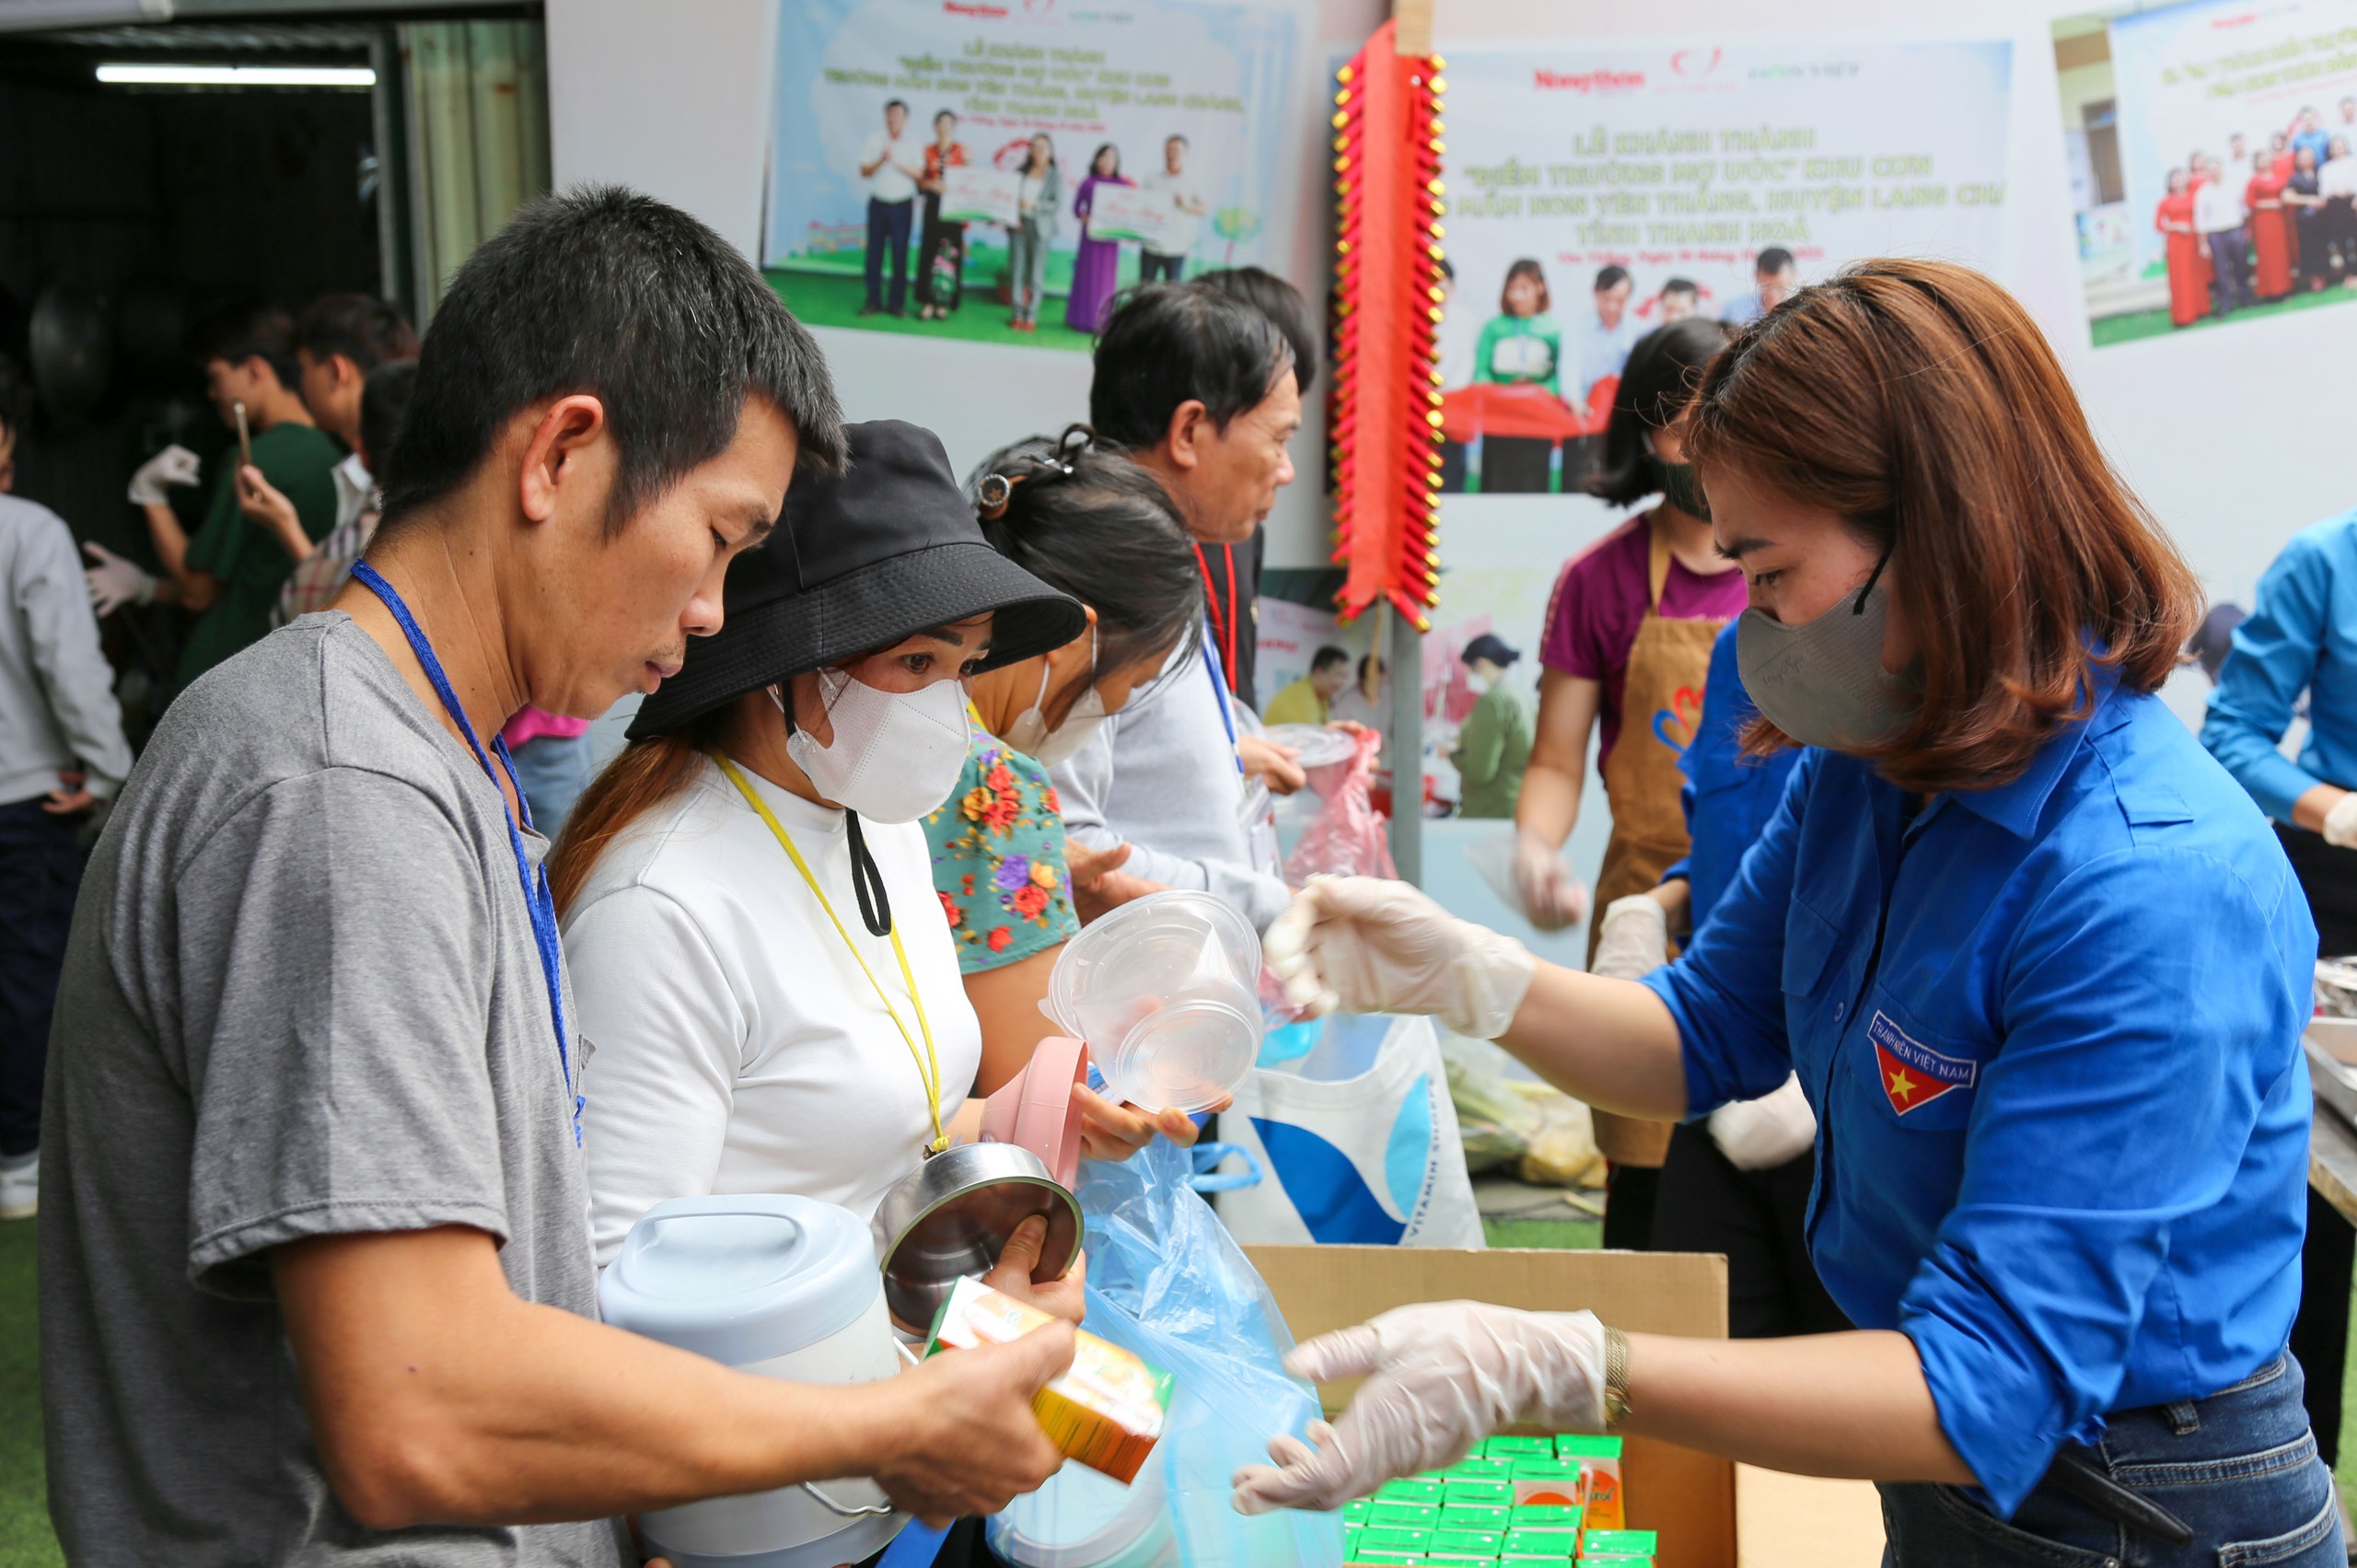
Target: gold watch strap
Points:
x,y
1616,1377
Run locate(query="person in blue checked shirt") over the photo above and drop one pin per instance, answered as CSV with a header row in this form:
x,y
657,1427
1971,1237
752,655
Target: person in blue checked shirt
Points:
x,y
2040,966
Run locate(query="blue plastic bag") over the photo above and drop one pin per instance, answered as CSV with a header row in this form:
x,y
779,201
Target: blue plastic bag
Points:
x,y
1167,1281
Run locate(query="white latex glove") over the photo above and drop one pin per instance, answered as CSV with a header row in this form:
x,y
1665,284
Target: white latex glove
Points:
x,y
173,465
115,582
1439,1379
1635,939
1369,945
2340,822
1552,896
1761,1135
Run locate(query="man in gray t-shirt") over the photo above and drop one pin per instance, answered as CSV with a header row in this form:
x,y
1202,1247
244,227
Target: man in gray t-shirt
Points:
x,y
316,1279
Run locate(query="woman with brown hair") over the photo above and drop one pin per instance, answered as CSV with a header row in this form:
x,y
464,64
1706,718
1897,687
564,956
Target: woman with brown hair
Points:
x,y
2038,962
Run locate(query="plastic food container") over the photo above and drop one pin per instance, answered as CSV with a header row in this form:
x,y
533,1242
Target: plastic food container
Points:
x,y
1318,746
782,1287
1164,991
1081,1520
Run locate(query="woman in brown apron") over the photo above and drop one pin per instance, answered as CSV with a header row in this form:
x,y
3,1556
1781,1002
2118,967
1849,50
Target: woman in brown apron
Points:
x,y
1663,664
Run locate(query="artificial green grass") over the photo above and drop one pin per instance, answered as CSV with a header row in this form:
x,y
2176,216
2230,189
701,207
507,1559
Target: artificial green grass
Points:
x,y
1583,1234
2108,330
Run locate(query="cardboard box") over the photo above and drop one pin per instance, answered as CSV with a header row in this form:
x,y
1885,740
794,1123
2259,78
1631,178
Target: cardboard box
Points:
x,y
1688,1497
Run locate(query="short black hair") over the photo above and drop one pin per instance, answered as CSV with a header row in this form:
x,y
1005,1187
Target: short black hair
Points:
x,y
893,103
1164,344
1681,285
941,114
1087,521
1182,141
384,398
365,329
1525,267
255,332
1664,369
1611,276
15,398
1773,260
1280,303
604,290
1327,657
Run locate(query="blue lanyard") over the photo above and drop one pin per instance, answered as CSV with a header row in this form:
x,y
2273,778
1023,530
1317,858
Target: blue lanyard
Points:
x,y
1219,687
537,897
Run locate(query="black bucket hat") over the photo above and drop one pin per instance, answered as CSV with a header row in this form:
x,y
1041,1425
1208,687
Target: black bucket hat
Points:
x,y
860,559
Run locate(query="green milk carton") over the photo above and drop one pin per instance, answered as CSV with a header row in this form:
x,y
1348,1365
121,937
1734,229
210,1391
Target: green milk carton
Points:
x,y
1601,1544
1411,1489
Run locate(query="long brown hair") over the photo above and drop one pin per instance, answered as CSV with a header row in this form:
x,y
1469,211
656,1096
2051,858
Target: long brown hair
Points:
x,y
1918,401
647,774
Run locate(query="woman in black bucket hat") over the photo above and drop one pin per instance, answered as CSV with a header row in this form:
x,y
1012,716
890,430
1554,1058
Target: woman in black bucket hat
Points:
x,y
773,994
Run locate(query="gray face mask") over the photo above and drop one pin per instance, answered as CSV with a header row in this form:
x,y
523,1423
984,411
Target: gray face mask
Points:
x,y
1822,681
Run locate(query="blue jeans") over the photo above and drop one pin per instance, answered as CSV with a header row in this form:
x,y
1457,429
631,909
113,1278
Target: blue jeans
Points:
x,y
2239,1467
553,771
1027,266
1155,267
888,226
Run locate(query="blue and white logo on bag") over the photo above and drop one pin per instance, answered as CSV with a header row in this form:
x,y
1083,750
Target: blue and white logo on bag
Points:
x,y
1365,1195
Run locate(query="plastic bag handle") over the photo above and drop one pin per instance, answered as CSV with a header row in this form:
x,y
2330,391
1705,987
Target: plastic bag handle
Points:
x,y
1209,1177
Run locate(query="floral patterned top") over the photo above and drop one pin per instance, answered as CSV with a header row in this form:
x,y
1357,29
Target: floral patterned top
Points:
x,y
998,858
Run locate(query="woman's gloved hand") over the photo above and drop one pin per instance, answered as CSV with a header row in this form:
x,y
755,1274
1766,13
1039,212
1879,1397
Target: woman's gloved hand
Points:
x,y
2340,822
1369,945
1761,1135
1439,1379
1552,896
175,465
1635,939
114,582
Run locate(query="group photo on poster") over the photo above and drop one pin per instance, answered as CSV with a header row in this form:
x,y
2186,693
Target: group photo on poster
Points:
x,y
2212,155
1596,191
998,174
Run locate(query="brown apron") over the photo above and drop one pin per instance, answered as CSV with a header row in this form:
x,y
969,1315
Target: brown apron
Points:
x,y
1660,707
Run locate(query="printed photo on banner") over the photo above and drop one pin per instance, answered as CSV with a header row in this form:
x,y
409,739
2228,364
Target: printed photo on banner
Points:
x,y
2212,157
1598,191
998,173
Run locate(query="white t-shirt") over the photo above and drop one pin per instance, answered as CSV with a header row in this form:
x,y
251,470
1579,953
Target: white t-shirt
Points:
x,y
2218,207
892,182
2338,178
730,1043
1186,227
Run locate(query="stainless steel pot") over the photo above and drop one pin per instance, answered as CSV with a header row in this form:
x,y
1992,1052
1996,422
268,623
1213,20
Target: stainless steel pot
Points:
x,y
951,1217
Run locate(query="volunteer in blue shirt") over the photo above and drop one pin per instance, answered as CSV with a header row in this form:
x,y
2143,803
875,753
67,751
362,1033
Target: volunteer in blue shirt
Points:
x,y
2040,964
2301,638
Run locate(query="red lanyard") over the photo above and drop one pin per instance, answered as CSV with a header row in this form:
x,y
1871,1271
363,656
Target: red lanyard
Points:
x,y
1223,626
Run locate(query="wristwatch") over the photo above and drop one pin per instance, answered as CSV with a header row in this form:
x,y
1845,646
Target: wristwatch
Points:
x,y
1616,1377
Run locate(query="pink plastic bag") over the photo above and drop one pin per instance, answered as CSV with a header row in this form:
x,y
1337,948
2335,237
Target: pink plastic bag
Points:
x,y
1346,838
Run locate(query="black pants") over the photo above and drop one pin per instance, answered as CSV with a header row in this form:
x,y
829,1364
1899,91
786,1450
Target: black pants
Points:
x,y
1629,1207
888,226
941,259
40,868
1759,1219
2329,877
2229,269
1154,266
2320,1334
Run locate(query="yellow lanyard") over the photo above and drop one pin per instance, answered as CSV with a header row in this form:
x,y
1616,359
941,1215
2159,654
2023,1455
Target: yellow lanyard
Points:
x,y
928,1063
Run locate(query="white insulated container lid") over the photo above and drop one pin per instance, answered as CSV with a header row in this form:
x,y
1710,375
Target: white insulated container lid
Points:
x,y
741,1278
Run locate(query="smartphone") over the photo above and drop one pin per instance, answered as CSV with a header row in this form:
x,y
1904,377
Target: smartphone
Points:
x,y
245,435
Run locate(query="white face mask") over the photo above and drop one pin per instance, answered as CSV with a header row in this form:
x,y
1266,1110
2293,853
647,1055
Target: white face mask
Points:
x,y
1029,733
896,755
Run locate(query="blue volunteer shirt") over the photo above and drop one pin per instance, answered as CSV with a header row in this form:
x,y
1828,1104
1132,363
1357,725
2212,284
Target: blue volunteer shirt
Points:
x,y
2303,637
1728,797
2050,1031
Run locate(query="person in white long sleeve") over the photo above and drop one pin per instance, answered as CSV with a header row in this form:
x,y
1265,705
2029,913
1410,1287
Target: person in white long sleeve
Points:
x,y
61,752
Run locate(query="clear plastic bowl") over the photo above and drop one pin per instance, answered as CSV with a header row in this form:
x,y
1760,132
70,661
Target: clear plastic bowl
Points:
x,y
1317,746
1164,990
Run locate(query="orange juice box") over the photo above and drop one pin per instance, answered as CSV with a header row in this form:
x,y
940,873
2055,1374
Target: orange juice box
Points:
x,y
1600,1462
1107,1409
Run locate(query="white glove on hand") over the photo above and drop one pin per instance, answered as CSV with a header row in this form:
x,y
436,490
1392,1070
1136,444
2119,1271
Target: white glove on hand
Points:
x,y
115,582
173,465
1370,946
1552,896
1635,939
2340,822
1439,1379
1761,1135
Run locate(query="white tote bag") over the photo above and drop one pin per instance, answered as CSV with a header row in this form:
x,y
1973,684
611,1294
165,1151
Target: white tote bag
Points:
x,y
1355,1139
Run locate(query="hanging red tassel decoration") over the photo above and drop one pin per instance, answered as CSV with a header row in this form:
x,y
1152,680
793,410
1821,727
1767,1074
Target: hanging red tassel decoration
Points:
x,y
1384,416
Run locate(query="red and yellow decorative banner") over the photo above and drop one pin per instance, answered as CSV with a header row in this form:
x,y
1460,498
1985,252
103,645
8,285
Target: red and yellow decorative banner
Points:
x,y
1385,414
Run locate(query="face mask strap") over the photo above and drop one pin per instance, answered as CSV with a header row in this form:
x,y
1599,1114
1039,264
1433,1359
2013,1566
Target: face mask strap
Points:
x,y
1859,607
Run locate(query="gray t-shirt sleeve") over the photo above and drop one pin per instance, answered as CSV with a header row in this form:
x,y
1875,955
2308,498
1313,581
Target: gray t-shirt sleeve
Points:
x,y
335,941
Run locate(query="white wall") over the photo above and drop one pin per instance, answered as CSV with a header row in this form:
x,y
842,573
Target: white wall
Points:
x,y
675,100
